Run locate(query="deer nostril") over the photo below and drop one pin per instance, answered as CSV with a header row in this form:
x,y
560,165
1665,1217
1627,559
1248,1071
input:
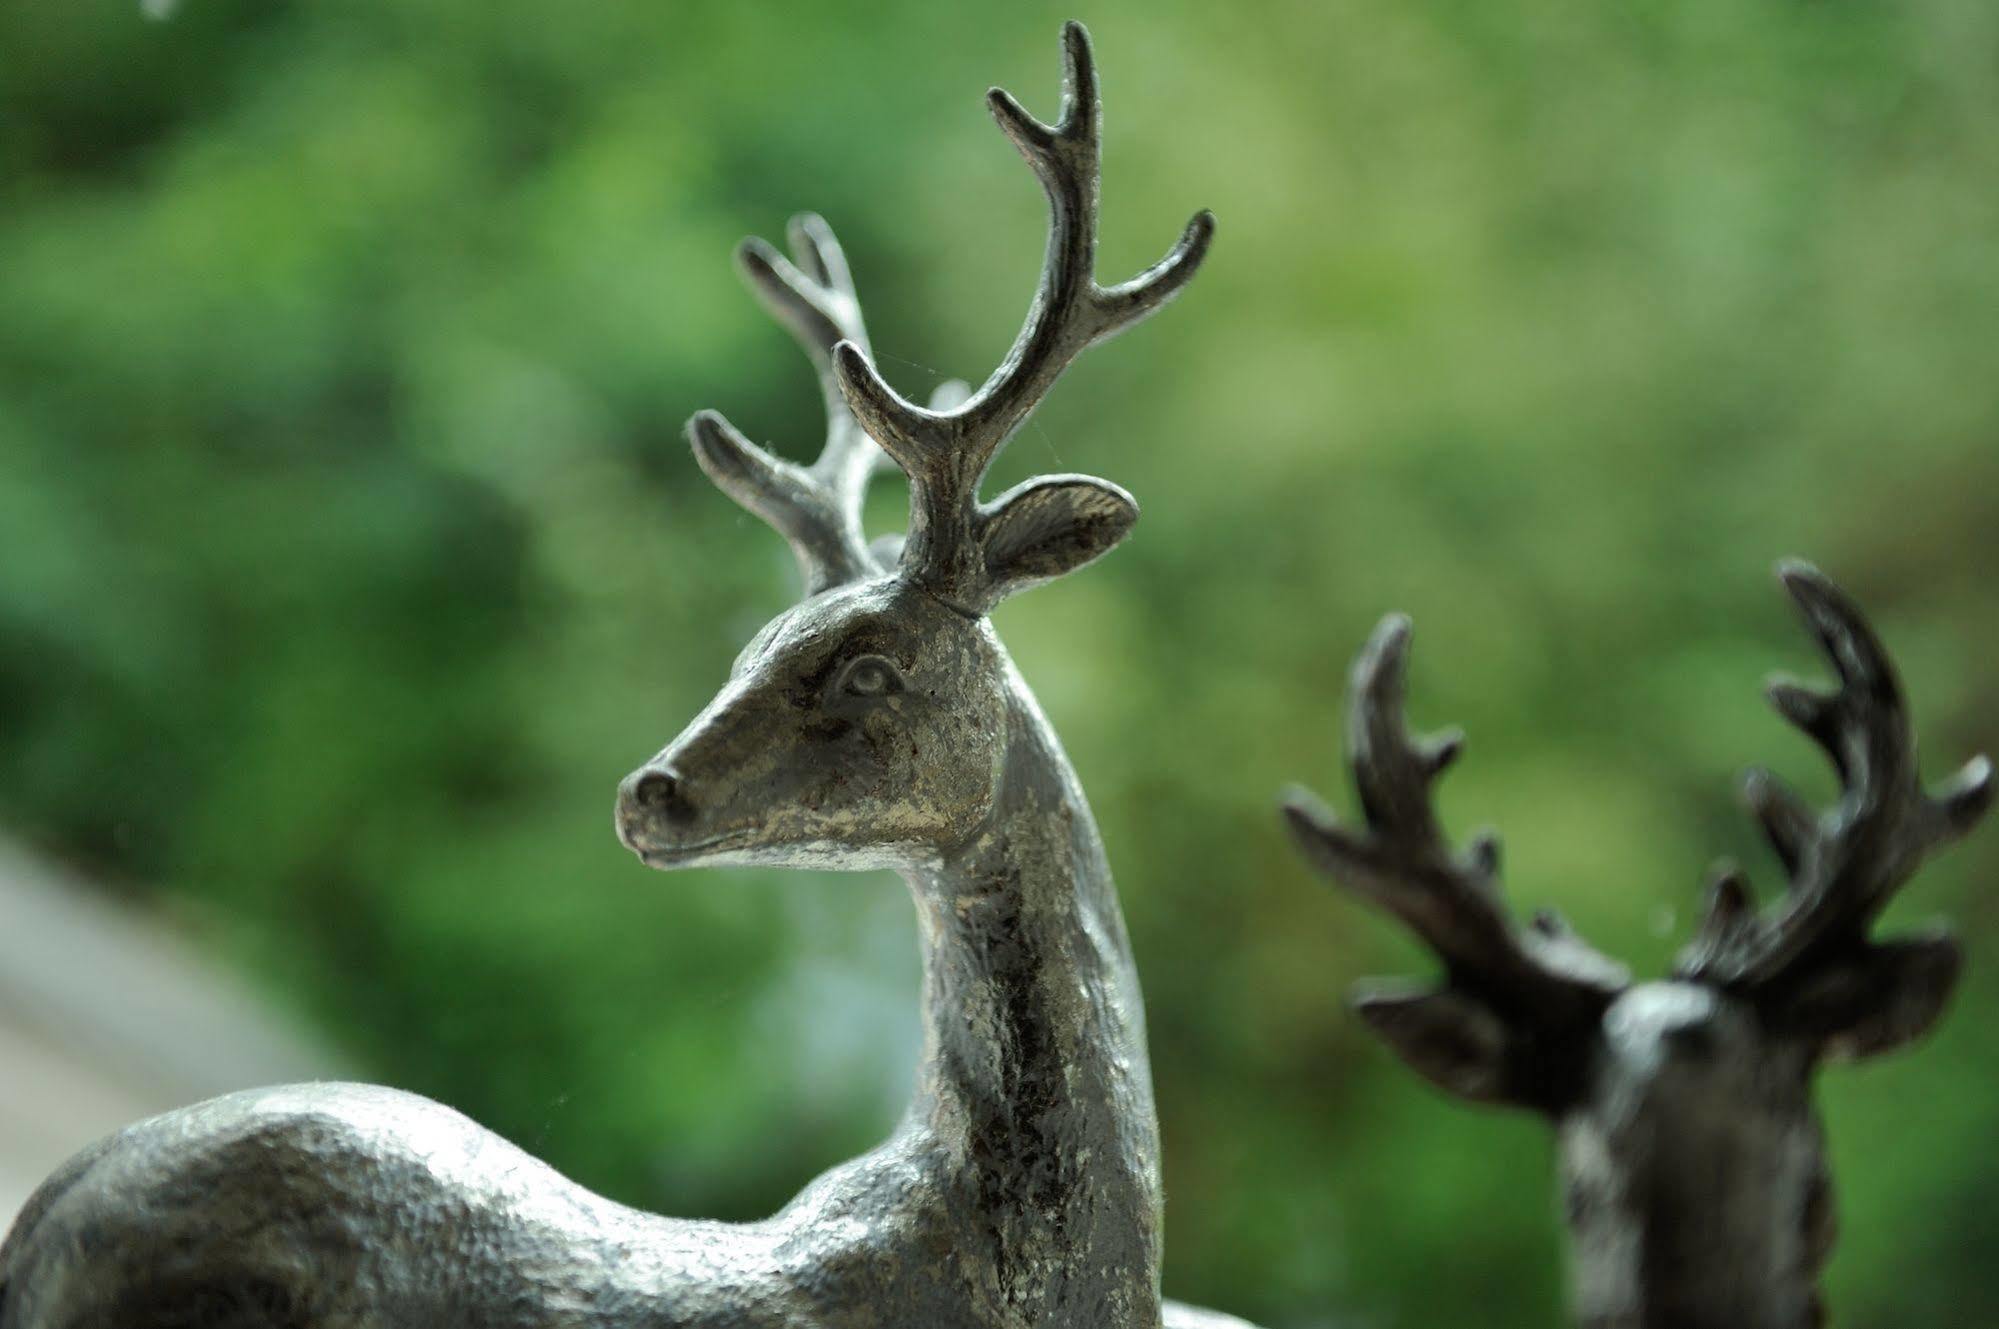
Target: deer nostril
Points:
x,y
658,793
655,789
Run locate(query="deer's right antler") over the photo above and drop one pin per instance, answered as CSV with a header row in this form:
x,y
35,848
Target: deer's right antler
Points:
x,y
1515,1002
971,554
1846,863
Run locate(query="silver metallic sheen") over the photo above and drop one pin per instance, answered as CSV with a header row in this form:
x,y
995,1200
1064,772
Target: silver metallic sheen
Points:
x,y
878,723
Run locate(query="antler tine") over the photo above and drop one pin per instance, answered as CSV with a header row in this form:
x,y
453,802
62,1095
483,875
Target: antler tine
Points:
x,y
816,508
816,251
812,516
946,452
1847,863
811,292
1070,311
1400,861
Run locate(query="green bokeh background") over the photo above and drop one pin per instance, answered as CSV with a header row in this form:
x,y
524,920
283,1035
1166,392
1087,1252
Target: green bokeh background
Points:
x,y
352,554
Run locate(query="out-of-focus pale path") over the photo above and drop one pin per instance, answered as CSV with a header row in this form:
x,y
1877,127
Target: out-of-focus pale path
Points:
x,y
107,1016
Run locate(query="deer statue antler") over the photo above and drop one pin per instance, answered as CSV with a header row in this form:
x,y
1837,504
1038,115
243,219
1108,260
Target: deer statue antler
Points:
x,y
1525,993
818,507
1692,1158
1812,966
1846,863
972,554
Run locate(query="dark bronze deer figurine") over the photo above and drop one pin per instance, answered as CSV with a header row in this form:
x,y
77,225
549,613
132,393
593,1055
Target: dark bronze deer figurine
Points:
x,y
878,723
1692,1160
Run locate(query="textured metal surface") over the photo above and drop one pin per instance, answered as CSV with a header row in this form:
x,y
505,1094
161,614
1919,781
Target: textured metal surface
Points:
x,y
878,723
1693,1164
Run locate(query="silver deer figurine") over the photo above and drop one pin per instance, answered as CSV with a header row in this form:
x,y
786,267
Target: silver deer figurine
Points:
x,y
1693,1163
878,723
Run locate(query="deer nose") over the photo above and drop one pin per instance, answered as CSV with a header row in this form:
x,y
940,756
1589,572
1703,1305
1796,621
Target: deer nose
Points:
x,y
658,792
655,789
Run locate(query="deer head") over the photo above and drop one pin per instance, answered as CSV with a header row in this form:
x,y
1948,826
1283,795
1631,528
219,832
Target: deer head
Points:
x,y
866,726
1695,1179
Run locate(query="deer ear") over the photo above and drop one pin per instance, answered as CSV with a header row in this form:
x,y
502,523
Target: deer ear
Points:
x,y
1883,997
1454,1041
1052,525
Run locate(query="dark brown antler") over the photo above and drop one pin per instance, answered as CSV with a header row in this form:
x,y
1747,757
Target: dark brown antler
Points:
x,y
946,451
1516,993
1846,863
817,508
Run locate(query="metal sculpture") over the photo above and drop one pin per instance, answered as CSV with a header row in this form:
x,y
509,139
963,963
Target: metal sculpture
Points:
x,y
878,723
1692,1160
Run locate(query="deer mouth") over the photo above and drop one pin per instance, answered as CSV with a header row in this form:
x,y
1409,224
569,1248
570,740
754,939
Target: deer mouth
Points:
x,y
684,852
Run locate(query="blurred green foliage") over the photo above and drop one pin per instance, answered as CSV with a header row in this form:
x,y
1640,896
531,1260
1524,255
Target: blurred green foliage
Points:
x,y
352,554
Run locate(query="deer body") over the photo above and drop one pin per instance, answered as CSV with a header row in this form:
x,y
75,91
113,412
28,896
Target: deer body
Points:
x,y
352,1205
1020,1189
878,723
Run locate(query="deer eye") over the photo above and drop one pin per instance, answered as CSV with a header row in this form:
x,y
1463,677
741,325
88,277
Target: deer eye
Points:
x,y
870,676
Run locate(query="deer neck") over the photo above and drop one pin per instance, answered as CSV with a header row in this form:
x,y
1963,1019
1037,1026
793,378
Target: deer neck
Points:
x,y
1034,1075
1700,1211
